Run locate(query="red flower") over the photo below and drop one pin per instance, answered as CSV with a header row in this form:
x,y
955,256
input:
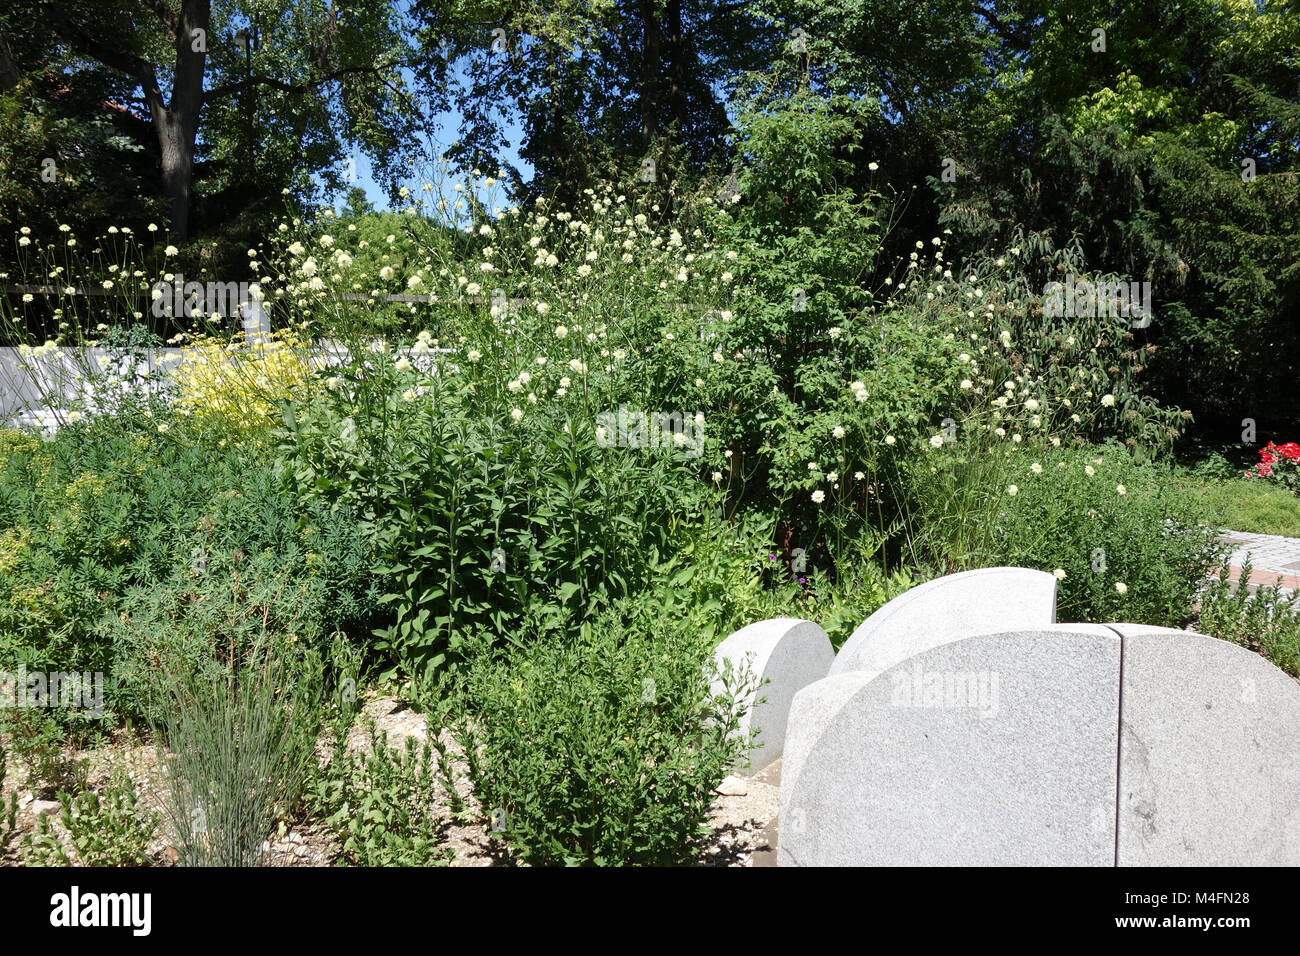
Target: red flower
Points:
x,y
1264,470
1289,450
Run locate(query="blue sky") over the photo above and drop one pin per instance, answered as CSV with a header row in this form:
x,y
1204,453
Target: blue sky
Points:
x,y
447,124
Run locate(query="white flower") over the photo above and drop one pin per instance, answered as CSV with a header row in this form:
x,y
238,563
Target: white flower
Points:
x,y
24,241
517,414
561,331
327,240
171,251
838,431
162,427
1121,587
474,355
1031,404
543,308
296,249
409,395
818,496
889,439
936,441
332,382
717,477
1059,574
584,270
833,477
403,364
1012,490
1036,468
515,385
966,383
386,272
1000,432
414,282
577,366
1108,400
1121,490
1016,437
873,166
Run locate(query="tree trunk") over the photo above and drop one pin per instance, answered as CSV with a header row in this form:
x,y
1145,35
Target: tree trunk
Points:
x,y
676,68
9,75
651,57
177,123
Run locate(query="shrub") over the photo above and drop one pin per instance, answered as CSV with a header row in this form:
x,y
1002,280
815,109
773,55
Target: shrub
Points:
x,y
1124,535
604,747
381,802
476,513
108,830
1267,621
9,810
44,745
236,391
121,543
1280,464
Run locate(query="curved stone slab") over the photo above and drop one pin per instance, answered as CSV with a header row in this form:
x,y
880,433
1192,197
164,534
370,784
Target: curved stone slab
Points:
x,y
788,652
1209,754
984,601
996,749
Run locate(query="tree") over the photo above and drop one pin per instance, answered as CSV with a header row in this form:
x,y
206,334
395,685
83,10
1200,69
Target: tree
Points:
x,y
316,75
601,87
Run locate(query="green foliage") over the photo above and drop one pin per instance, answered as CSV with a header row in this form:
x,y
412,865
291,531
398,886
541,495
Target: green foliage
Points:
x,y
477,514
1125,535
380,802
45,747
238,750
107,830
1267,621
8,810
125,547
603,747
